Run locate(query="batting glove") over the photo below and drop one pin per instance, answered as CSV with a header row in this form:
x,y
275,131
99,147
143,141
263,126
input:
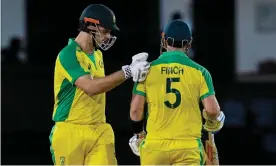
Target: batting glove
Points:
x,y
141,57
138,69
135,141
213,125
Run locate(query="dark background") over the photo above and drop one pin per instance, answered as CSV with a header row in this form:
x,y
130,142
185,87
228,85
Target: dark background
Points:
x,y
27,89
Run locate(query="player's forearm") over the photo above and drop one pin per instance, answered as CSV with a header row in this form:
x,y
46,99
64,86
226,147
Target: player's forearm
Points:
x,y
136,112
211,106
105,84
137,108
213,113
136,115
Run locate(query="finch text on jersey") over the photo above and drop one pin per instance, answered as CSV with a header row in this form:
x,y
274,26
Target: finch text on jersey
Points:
x,y
172,70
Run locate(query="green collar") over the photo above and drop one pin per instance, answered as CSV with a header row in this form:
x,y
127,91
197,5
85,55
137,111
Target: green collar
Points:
x,y
72,41
174,53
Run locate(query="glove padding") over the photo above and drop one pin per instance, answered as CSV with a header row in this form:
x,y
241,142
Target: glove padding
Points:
x,y
213,125
138,69
134,142
142,72
141,57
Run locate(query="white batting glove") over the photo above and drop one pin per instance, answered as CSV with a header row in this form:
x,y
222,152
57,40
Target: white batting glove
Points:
x,y
138,69
141,57
134,142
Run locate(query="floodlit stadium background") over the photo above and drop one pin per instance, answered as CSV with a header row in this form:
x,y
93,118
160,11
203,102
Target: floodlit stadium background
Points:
x,y
234,40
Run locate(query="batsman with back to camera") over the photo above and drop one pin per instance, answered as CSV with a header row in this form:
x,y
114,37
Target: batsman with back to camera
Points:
x,y
81,135
172,90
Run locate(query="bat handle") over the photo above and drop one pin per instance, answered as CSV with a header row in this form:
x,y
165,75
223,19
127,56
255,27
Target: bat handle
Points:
x,y
211,137
215,157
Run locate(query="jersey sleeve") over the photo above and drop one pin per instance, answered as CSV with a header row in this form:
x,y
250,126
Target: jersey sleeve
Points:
x,y
72,68
139,89
206,87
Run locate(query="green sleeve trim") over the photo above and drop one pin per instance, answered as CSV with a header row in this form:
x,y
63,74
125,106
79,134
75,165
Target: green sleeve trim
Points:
x,y
137,92
70,63
208,79
206,95
134,88
140,93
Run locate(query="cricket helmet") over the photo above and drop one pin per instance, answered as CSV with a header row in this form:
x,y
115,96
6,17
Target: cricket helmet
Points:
x,y
99,15
176,34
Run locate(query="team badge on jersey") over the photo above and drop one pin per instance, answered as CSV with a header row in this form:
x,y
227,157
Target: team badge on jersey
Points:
x,y
101,64
62,160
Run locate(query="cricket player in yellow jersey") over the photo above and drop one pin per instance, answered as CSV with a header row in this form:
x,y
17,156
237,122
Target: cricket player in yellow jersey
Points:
x,y
81,135
172,90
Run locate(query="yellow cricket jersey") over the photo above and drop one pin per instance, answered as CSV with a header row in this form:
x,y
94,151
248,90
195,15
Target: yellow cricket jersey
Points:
x,y
173,89
71,103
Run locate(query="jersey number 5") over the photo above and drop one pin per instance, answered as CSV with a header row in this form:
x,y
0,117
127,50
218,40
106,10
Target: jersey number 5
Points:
x,y
173,90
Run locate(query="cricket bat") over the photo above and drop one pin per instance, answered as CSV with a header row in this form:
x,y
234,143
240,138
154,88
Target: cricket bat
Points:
x,y
211,150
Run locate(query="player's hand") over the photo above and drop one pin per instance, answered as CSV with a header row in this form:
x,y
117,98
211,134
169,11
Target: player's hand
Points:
x,y
213,125
142,72
135,141
139,67
138,71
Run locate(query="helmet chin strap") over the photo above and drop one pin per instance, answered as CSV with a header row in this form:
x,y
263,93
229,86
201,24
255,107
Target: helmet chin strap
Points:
x,y
94,42
164,44
187,49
